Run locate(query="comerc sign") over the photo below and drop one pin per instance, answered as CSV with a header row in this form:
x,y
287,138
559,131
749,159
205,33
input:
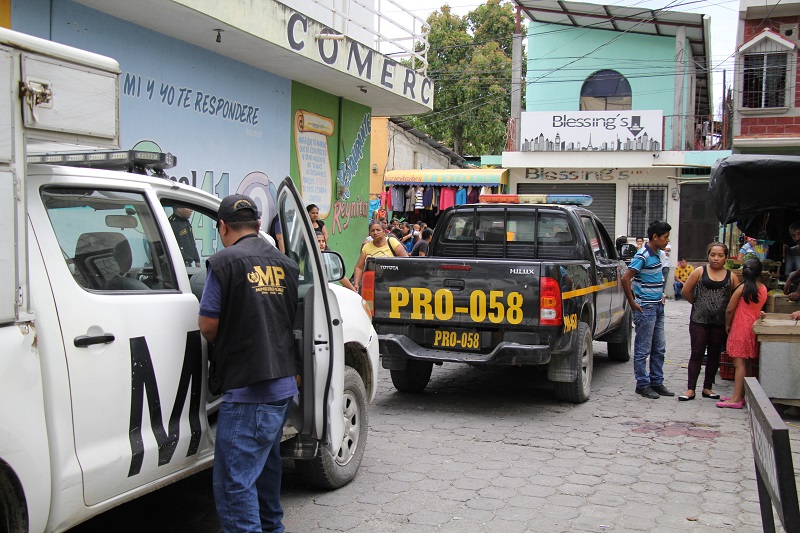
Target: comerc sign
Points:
x,y
320,43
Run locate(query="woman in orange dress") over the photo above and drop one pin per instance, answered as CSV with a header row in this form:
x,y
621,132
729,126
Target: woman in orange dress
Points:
x,y
744,308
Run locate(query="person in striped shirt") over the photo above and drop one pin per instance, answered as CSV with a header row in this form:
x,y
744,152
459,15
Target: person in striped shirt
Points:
x,y
643,283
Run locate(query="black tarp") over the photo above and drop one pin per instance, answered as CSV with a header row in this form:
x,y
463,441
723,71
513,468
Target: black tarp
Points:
x,y
760,193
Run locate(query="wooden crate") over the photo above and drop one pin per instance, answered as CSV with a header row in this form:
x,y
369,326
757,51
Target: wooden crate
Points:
x,y
780,303
726,367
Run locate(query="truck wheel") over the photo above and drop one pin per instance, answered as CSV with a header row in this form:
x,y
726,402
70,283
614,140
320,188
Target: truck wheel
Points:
x,y
621,351
414,378
327,471
13,518
577,390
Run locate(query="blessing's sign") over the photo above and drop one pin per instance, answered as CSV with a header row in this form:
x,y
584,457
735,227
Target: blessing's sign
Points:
x,y
590,131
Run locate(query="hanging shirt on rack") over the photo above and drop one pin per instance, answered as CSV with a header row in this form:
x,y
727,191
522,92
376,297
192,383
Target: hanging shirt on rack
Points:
x,y
447,197
473,195
427,198
411,196
398,198
461,195
418,201
384,196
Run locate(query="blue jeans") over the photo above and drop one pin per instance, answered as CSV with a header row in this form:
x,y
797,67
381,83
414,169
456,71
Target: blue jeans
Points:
x,y
677,286
247,466
649,342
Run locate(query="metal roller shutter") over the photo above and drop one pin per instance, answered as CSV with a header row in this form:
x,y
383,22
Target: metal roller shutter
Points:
x,y
604,197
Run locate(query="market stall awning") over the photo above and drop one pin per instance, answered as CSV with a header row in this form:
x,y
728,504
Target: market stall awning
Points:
x,y
748,185
453,176
760,193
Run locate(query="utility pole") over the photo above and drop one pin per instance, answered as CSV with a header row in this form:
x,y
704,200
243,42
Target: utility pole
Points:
x,y
516,85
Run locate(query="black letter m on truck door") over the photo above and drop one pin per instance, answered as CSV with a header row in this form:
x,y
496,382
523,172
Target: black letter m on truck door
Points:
x,y
143,378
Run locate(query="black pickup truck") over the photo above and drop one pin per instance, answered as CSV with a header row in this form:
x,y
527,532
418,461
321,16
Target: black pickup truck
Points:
x,y
504,284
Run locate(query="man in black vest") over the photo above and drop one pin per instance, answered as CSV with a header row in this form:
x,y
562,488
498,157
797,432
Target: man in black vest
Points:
x,y
247,312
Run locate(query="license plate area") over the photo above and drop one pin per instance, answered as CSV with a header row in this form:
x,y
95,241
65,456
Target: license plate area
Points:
x,y
457,339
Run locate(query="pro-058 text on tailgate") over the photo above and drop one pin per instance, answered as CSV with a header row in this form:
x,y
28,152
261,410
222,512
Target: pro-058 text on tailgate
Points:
x,y
421,303
460,294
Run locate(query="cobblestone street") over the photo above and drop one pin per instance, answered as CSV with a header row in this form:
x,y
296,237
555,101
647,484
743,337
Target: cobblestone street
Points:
x,y
493,451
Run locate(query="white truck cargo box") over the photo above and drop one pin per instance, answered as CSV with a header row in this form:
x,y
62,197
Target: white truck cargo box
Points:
x,y
52,97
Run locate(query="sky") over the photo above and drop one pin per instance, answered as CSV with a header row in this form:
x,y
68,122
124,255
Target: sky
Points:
x,y
723,13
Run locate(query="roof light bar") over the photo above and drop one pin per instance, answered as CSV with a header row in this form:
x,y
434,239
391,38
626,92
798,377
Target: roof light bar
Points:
x,y
128,160
558,199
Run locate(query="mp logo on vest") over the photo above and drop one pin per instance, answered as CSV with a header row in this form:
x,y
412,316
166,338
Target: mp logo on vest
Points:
x,y
267,280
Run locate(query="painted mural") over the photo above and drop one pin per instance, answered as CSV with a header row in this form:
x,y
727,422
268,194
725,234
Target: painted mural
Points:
x,y
311,134
329,163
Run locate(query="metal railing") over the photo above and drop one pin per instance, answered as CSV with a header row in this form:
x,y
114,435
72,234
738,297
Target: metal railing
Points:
x,y
693,132
383,25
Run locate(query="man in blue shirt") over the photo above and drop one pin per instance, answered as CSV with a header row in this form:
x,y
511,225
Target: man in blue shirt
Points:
x,y
643,283
749,246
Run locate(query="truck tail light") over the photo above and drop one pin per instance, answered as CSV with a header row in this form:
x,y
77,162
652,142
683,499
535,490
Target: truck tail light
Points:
x,y
550,311
368,290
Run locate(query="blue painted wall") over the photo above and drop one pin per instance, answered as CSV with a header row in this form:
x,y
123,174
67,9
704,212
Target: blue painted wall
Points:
x,y
557,68
31,17
224,120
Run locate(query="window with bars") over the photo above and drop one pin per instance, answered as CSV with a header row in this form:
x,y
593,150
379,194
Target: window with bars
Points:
x,y
648,204
764,81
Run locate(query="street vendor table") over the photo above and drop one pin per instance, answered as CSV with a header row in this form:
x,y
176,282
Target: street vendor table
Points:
x,y
779,366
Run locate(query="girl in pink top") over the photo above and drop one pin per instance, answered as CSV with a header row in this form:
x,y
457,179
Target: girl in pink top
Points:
x,y
744,308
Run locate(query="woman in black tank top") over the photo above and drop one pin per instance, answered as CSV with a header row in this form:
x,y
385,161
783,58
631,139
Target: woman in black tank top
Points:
x,y
708,289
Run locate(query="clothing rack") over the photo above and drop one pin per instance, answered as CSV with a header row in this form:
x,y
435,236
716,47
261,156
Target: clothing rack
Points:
x,y
424,202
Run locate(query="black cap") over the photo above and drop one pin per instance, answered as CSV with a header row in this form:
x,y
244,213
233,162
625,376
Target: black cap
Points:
x,y
238,208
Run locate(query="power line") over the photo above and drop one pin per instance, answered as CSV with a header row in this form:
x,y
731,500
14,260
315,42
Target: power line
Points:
x,y
594,25
479,100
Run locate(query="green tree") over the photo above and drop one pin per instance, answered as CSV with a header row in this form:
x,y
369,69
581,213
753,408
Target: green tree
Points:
x,y
469,61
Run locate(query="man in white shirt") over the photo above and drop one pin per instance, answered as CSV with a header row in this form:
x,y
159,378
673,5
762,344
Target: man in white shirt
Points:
x,y
664,256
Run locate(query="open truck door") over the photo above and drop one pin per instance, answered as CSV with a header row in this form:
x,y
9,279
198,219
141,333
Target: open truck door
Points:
x,y
319,416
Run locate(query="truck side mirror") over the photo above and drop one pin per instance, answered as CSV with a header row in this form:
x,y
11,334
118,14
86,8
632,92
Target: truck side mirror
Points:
x,y
334,265
628,251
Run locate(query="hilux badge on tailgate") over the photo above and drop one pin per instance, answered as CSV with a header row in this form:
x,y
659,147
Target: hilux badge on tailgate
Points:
x,y
521,271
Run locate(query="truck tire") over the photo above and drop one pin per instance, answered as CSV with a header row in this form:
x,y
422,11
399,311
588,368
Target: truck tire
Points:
x,y
13,518
414,378
327,471
621,351
577,390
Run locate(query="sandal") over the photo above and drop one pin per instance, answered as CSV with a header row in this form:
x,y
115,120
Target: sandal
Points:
x,y
686,397
713,395
726,398
731,405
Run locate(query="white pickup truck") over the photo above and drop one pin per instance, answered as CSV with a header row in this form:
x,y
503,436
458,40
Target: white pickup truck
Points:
x,y
103,371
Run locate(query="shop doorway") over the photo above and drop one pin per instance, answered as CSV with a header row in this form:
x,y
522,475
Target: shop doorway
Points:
x,y
698,223
604,197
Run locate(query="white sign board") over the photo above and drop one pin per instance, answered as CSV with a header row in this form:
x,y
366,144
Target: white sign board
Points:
x,y
590,131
